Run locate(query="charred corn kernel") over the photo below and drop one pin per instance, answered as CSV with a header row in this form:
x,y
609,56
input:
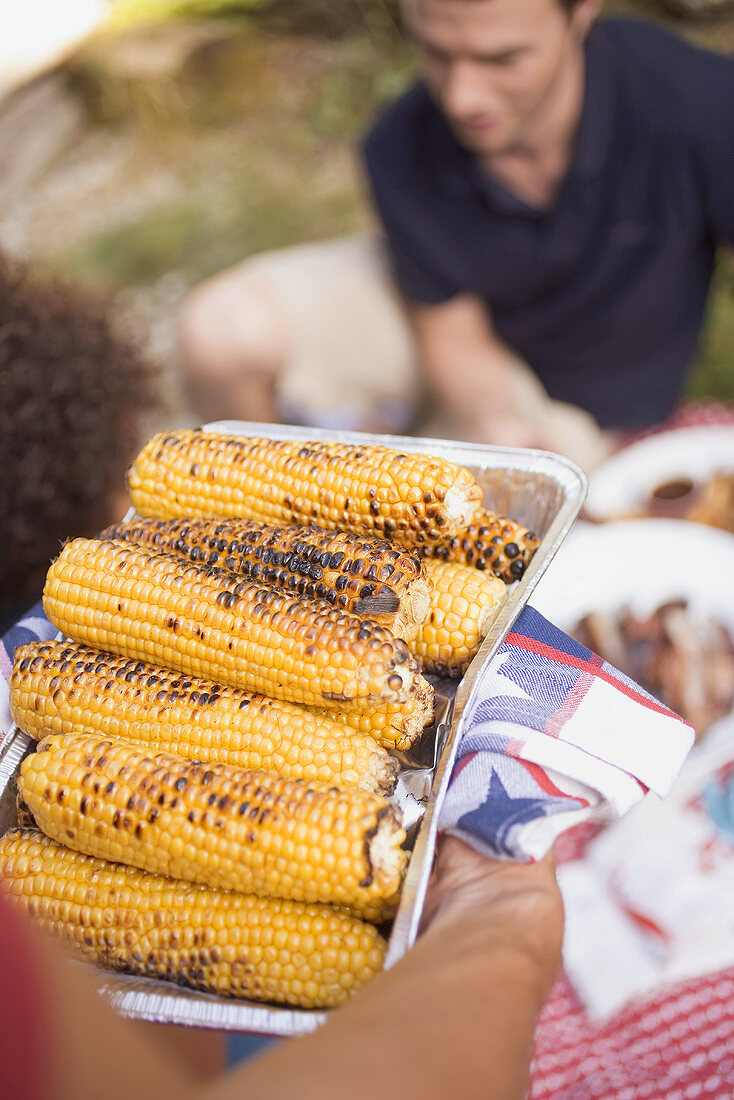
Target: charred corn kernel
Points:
x,y
490,542
209,823
23,815
396,726
410,497
62,687
210,940
197,619
464,604
356,573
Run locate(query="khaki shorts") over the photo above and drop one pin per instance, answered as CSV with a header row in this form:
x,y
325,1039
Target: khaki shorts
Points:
x,y
352,361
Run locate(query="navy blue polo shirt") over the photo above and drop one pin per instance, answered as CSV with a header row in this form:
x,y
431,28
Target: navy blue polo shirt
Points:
x,y
604,293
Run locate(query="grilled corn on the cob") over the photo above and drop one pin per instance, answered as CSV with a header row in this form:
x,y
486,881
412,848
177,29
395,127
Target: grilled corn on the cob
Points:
x,y
410,497
235,945
209,823
64,687
145,604
492,543
395,726
356,573
464,604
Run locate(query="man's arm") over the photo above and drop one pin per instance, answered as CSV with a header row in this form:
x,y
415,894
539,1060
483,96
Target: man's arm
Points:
x,y
472,374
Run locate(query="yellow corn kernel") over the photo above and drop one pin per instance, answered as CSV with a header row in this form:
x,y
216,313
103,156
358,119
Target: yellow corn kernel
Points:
x,y
207,939
465,603
65,687
356,573
396,726
196,620
412,498
214,824
489,542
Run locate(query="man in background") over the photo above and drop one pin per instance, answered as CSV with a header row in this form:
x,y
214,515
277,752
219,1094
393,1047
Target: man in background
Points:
x,y
551,193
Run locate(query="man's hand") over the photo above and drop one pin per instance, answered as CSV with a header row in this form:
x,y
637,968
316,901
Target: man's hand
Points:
x,y
472,373
520,902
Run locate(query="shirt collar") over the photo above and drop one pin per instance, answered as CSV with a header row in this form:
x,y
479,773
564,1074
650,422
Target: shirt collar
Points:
x,y
459,173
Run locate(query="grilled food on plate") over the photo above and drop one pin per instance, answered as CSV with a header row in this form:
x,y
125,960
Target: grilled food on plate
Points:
x,y
463,607
680,657
356,573
412,498
65,687
236,945
489,542
210,823
151,606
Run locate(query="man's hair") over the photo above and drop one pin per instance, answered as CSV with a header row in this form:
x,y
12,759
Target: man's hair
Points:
x,y
70,394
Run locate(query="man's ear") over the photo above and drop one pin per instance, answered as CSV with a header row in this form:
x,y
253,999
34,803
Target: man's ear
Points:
x,y
583,16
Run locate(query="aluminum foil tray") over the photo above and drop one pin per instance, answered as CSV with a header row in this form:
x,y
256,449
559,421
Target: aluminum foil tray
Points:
x,y
542,491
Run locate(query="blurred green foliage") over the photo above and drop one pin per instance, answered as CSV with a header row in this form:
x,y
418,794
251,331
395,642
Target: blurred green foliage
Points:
x,y
328,18
713,374
344,101
128,13
181,238
261,129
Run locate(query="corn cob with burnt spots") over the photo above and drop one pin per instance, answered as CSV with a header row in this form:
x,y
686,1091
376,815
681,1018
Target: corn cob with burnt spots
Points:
x,y
410,497
64,687
356,573
395,726
234,945
489,542
199,620
464,605
253,832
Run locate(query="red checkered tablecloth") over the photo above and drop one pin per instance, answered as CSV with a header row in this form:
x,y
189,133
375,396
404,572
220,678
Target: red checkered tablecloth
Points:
x,y
678,1045
675,1045
694,414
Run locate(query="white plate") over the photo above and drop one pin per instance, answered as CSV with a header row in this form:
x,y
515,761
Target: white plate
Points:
x,y
640,564
624,482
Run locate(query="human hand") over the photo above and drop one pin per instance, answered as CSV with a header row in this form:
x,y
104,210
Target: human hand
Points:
x,y
519,904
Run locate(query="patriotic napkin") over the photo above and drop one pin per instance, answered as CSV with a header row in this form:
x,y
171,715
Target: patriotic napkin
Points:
x,y
550,735
33,627
656,889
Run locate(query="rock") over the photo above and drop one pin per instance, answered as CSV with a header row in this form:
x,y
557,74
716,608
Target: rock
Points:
x,y
37,123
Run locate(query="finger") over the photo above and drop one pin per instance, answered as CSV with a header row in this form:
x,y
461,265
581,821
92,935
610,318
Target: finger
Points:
x,y
455,857
452,853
